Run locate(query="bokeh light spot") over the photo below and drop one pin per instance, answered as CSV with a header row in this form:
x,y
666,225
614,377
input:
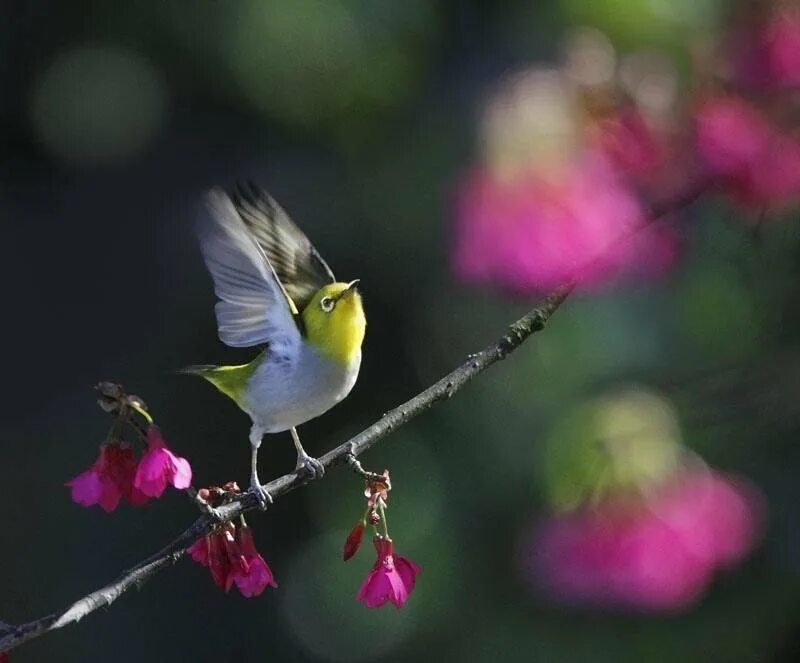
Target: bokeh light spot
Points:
x,y
97,104
628,440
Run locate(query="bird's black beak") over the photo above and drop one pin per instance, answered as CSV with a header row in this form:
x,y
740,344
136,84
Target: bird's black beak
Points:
x,y
351,288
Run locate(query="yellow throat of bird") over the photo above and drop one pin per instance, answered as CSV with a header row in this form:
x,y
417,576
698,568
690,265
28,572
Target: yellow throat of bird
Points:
x,y
335,322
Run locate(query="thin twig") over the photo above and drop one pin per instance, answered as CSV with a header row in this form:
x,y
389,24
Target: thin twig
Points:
x,y
516,334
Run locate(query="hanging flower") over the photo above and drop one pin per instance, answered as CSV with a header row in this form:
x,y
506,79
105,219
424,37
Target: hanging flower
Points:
x,y
391,579
108,479
252,574
159,466
229,553
210,551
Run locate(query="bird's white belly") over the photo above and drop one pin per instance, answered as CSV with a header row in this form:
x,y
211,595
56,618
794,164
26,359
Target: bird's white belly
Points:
x,y
285,392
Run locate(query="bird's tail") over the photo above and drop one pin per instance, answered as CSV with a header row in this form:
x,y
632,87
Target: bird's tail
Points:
x,y
198,369
230,380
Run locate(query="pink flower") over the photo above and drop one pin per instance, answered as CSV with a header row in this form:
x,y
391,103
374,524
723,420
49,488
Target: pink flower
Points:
x,y
765,50
659,556
211,551
237,563
233,559
159,466
532,233
219,562
108,479
758,163
353,541
717,518
392,577
199,551
783,48
731,135
252,574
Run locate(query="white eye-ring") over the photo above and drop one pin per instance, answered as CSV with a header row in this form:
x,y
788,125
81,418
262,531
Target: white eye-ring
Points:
x,y
327,304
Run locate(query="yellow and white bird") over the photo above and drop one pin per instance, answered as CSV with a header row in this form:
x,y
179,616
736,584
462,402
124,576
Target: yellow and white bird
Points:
x,y
275,290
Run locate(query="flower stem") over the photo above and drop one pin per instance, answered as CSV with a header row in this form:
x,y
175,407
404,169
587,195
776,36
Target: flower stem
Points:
x,y
383,519
138,408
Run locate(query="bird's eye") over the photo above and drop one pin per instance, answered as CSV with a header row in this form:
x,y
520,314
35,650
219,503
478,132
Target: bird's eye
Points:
x,y
326,304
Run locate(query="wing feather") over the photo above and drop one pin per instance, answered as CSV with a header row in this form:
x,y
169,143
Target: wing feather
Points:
x,y
253,307
298,265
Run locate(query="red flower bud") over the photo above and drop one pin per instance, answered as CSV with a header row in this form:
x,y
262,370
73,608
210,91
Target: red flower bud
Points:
x,y
353,542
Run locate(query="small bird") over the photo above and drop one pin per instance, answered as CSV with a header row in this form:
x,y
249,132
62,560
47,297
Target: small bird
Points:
x,y
275,290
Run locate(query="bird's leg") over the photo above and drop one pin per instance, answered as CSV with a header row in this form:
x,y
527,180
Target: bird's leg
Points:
x,y
264,498
311,465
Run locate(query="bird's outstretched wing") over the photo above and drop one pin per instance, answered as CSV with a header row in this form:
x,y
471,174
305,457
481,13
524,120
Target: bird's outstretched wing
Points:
x,y
299,266
253,308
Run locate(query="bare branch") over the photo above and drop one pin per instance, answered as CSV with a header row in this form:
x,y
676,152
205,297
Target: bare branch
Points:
x,y
516,334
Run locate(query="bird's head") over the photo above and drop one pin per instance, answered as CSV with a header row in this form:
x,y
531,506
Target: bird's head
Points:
x,y
334,321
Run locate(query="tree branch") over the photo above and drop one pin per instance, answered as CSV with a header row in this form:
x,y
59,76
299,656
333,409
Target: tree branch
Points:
x,y
516,334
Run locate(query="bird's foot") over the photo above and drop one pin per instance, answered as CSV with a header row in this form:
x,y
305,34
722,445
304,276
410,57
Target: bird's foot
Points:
x,y
312,466
263,497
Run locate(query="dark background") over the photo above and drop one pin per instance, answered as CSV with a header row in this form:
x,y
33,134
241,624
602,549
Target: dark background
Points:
x,y
359,117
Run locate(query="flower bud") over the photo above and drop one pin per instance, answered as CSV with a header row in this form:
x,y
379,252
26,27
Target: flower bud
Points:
x,y
353,541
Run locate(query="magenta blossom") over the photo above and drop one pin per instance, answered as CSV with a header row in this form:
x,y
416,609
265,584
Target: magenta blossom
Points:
x,y
658,556
108,479
391,578
200,550
218,552
252,574
232,559
532,233
159,466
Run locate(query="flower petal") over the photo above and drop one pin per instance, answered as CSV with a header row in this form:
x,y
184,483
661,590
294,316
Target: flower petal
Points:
x,y
181,472
86,488
151,475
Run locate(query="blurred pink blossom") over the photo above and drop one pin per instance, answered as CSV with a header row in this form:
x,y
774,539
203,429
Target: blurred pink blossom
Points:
x,y
783,38
629,142
535,232
159,466
757,162
655,556
765,51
